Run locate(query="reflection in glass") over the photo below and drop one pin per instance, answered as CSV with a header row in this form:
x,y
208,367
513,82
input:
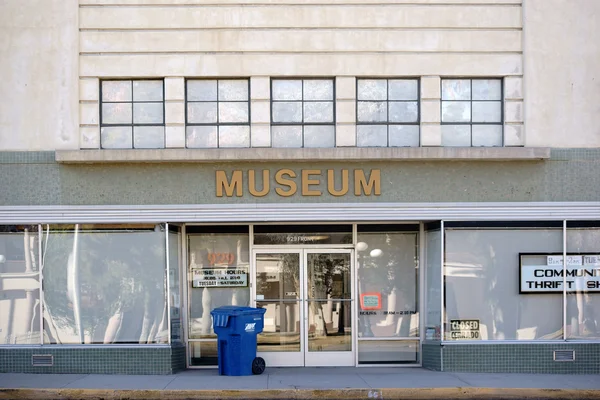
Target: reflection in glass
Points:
x,y
371,136
214,251
201,136
231,112
403,89
487,135
116,137
487,111
233,90
201,90
481,272
284,89
149,137
203,353
286,136
282,326
174,284
287,112
147,90
388,352
329,325
403,111
329,321
319,136
278,276
388,271
318,111
19,285
456,135
318,89
433,319
456,89
371,111
487,89
116,91
328,276
201,113
234,136
372,89
583,303
104,284
456,111
147,113
404,135
116,113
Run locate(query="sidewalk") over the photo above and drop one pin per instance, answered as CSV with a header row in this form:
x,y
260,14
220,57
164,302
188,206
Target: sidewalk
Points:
x,y
303,383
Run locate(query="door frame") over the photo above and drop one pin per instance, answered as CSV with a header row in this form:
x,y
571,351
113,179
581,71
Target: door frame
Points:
x,y
303,357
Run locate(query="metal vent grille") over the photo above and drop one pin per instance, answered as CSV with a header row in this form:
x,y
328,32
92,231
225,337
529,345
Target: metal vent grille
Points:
x,y
42,360
564,355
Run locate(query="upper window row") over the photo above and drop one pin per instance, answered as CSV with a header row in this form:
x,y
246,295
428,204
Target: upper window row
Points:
x,y
217,113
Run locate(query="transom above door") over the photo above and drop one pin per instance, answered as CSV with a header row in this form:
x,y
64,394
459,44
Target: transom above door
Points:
x,y
308,295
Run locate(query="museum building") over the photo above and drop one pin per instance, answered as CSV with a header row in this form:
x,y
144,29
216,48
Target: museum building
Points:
x,y
398,183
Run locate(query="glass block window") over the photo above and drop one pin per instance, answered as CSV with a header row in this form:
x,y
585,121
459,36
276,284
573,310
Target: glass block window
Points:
x,y
302,113
132,114
472,112
387,113
217,113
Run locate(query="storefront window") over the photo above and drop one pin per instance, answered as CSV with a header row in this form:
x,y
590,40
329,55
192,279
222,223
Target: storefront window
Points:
x,y
583,294
218,276
104,284
433,241
388,282
19,285
483,298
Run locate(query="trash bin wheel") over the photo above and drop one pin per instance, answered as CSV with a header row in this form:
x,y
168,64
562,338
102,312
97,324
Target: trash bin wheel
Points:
x,y
258,365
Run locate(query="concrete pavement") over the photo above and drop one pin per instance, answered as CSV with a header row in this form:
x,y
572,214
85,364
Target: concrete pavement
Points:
x,y
301,383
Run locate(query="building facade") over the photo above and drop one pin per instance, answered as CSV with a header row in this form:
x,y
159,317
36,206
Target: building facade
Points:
x,y
402,183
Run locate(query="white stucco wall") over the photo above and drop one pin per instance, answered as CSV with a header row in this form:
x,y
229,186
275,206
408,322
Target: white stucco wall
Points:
x,y
562,73
38,64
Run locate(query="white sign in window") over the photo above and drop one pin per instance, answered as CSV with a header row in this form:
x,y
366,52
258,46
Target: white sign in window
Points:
x,y
219,277
580,273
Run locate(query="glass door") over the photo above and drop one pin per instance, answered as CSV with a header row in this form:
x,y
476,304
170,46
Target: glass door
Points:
x,y
280,291
307,295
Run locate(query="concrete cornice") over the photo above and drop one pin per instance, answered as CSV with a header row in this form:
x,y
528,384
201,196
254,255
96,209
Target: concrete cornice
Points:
x,y
304,155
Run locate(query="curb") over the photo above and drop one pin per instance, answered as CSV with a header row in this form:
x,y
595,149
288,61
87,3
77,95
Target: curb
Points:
x,y
395,393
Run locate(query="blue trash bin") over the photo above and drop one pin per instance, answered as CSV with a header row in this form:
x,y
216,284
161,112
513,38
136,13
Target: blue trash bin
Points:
x,y
236,328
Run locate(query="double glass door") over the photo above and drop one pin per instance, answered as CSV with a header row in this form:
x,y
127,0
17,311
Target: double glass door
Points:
x,y
308,297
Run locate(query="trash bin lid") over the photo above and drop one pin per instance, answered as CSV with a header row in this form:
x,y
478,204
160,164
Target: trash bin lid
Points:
x,y
237,310
221,314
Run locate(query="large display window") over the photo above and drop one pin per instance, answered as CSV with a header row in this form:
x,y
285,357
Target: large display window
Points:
x,y
582,317
388,294
104,284
218,275
481,283
19,285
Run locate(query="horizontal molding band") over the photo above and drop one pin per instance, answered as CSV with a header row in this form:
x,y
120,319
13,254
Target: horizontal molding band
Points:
x,y
317,212
305,154
87,3
393,15
355,64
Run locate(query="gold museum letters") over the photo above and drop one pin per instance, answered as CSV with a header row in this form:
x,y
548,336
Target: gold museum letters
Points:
x,y
287,182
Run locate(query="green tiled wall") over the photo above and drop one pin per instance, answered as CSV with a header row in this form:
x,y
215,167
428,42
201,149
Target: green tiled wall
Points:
x,y
521,358
177,358
105,360
432,355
